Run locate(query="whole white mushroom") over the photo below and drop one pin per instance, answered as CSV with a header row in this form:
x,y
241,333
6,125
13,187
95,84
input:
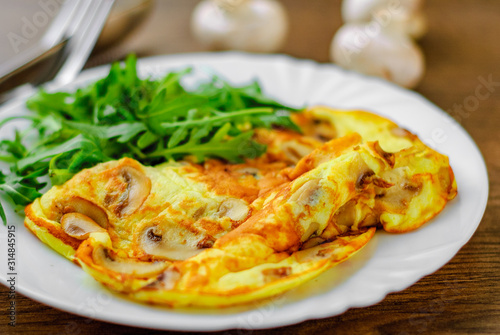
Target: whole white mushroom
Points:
x,y
378,52
405,16
247,25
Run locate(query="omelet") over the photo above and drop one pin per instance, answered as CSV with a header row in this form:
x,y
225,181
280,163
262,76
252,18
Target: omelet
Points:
x,y
217,234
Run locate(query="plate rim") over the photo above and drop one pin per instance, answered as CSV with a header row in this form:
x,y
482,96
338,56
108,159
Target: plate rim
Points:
x,y
277,322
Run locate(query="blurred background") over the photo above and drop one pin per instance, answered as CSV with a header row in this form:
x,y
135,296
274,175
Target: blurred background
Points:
x,y
456,46
455,33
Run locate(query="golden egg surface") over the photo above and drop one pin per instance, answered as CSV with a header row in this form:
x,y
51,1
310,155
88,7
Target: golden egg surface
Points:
x,y
218,234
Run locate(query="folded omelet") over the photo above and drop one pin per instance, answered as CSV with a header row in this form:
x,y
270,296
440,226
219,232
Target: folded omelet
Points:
x,y
218,234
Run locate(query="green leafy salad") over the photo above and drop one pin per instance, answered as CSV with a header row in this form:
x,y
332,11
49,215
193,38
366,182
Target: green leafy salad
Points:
x,y
122,115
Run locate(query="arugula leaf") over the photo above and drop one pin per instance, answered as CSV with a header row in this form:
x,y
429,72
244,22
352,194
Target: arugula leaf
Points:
x,y
233,150
2,214
221,118
21,194
39,155
123,115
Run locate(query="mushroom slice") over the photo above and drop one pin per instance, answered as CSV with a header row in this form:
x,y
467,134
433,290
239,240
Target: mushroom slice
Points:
x,y
82,206
311,229
396,199
346,215
307,192
235,209
388,157
128,191
312,242
323,130
295,150
106,258
79,225
171,240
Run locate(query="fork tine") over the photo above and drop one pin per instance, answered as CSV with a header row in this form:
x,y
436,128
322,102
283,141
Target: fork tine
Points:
x,y
80,34
81,43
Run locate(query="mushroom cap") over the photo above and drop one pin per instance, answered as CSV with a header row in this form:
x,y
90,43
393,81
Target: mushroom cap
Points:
x,y
255,26
364,10
405,17
385,54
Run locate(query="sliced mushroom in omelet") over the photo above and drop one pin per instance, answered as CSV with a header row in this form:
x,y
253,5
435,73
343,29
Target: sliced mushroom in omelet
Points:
x,y
220,234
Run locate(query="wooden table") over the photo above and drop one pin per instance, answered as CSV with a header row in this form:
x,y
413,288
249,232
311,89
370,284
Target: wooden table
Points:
x,y
461,46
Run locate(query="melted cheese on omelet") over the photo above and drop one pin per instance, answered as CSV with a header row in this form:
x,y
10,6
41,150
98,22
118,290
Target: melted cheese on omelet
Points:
x,y
221,234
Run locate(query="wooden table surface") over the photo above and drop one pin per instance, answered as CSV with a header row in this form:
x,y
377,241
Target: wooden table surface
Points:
x,y
462,45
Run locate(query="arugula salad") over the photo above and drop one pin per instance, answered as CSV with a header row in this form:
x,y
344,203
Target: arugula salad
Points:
x,y
122,115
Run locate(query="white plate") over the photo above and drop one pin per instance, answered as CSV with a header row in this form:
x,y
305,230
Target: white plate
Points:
x,y
387,264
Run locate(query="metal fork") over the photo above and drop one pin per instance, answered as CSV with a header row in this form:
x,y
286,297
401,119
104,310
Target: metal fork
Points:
x,y
76,28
